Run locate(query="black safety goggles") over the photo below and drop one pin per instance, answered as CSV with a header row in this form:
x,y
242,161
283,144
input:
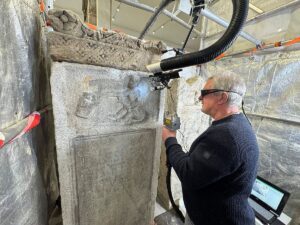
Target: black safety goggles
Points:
x,y
210,91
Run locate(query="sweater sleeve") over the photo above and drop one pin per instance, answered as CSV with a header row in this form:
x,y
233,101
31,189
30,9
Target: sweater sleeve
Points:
x,y
212,157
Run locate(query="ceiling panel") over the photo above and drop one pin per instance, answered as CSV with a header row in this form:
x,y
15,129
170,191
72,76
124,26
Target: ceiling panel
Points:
x,y
132,20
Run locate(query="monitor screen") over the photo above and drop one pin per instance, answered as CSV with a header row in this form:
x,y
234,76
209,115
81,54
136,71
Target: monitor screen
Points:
x,y
269,194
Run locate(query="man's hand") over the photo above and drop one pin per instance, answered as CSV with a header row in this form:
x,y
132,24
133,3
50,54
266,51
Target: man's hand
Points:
x,y
166,133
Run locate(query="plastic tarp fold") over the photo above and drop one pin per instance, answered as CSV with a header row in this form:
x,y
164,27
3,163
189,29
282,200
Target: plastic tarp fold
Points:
x,y
22,194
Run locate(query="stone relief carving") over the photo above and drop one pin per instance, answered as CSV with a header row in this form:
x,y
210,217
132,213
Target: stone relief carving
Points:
x,y
125,104
106,124
64,47
73,41
67,22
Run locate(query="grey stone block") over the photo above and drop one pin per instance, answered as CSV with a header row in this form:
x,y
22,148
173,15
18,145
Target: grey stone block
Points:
x,y
113,181
74,41
108,137
63,47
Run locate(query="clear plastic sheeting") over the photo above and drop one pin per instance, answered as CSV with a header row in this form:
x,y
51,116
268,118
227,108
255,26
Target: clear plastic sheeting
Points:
x,y
272,103
22,198
22,195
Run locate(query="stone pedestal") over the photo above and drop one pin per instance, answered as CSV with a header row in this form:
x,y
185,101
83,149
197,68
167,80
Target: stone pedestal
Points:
x,y
107,123
108,137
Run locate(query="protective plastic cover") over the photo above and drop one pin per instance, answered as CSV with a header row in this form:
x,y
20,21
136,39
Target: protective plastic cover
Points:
x,y
22,193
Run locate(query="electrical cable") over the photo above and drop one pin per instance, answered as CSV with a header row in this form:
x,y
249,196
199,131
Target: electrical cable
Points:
x,y
169,171
168,181
183,145
245,113
168,178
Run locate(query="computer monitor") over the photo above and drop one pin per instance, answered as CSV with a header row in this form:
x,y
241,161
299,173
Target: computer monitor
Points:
x,y
269,195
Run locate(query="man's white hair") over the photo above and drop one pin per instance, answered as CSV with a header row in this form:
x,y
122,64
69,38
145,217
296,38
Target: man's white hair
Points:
x,y
230,81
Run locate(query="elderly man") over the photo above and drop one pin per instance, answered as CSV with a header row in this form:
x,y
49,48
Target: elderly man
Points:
x,y
218,172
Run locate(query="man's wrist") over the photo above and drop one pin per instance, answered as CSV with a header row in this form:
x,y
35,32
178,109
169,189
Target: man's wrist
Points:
x,y
170,141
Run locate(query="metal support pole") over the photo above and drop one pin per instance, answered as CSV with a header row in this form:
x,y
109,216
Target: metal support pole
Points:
x,y
274,11
225,24
166,12
153,18
204,12
203,31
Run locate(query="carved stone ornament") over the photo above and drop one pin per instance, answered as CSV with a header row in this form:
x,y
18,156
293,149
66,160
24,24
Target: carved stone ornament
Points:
x,y
73,41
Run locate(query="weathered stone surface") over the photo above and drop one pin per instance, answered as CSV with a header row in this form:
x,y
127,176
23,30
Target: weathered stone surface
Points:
x,y
108,144
112,178
106,122
106,48
68,48
67,22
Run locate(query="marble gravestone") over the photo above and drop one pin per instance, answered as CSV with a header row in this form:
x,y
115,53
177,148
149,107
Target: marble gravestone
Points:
x,y
108,133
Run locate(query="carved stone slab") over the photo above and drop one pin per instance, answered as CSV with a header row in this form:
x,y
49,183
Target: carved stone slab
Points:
x,y
108,138
113,177
67,22
63,47
74,41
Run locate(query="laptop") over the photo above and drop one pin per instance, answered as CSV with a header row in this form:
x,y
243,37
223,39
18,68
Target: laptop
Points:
x,y
267,200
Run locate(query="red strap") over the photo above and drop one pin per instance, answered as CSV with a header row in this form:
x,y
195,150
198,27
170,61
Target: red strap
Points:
x,y
91,26
2,139
42,6
220,56
33,121
294,41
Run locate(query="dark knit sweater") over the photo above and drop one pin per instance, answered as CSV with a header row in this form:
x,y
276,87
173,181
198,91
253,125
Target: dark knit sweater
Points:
x,y
218,172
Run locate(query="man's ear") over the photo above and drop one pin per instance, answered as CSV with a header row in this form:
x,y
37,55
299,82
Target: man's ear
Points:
x,y
223,98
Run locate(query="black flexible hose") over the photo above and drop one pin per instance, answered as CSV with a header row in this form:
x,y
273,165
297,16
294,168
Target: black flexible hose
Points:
x,y
175,207
240,11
